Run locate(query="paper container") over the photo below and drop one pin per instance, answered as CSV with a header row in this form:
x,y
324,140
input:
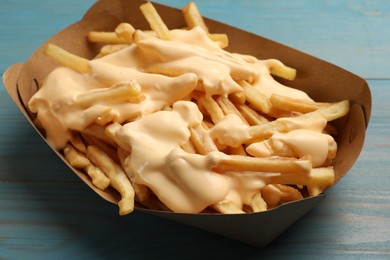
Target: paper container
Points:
x,y
321,80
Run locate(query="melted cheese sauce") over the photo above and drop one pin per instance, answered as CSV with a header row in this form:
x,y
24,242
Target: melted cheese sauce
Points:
x,y
191,61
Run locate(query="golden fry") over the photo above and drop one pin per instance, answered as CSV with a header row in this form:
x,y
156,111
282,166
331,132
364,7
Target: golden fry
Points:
x,y
125,31
106,37
155,21
125,91
257,203
67,59
283,71
193,17
251,116
99,179
117,176
75,158
329,113
212,108
293,104
227,207
237,163
228,108
255,98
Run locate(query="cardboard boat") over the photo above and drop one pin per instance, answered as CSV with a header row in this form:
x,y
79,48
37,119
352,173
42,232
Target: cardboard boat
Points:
x,y
319,79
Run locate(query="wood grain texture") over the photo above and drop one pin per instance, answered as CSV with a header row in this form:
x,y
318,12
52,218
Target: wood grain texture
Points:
x,y
46,212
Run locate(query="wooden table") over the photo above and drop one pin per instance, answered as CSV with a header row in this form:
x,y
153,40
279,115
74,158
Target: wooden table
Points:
x,y
47,212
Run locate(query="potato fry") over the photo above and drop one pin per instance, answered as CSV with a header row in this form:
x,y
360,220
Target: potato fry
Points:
x,y
189,147
239,163
238,98
129,91
251,116
329,113
125,31
99,179
80,161
77,142
228,108
220,38
110,48
293,104
202,141
193,17
318,179
110,132
288,193
67,59
255,98
107,37
117,176
142,192
283,71
257,203
75,158
212,108
155,21
98,132
227,207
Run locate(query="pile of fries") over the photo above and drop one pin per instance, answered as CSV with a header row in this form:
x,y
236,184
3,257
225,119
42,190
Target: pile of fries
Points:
x,y
97,150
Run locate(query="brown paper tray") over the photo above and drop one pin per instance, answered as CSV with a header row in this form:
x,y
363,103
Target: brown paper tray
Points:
x,y
321,80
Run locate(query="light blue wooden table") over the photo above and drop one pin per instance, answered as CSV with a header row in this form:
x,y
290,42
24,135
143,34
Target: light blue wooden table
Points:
x,y
46,212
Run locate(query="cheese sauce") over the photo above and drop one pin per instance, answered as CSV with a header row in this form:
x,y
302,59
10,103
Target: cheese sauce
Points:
x,y
190,61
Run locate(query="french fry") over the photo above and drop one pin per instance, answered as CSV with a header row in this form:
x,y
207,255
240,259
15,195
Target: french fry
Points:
x,y
212,108
99,179
318,179
283,71
329,113
271,195
238,98
98,132
189,147
110,132
77,142
237,163
80,161
75,158
125,31
255,98
110,48
125,91
228,108
251,116
193,17
202,141
220,38
288,193
142,192
117,176
107,37
155,21
67,59
293,104
281,150
227,207
257,203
